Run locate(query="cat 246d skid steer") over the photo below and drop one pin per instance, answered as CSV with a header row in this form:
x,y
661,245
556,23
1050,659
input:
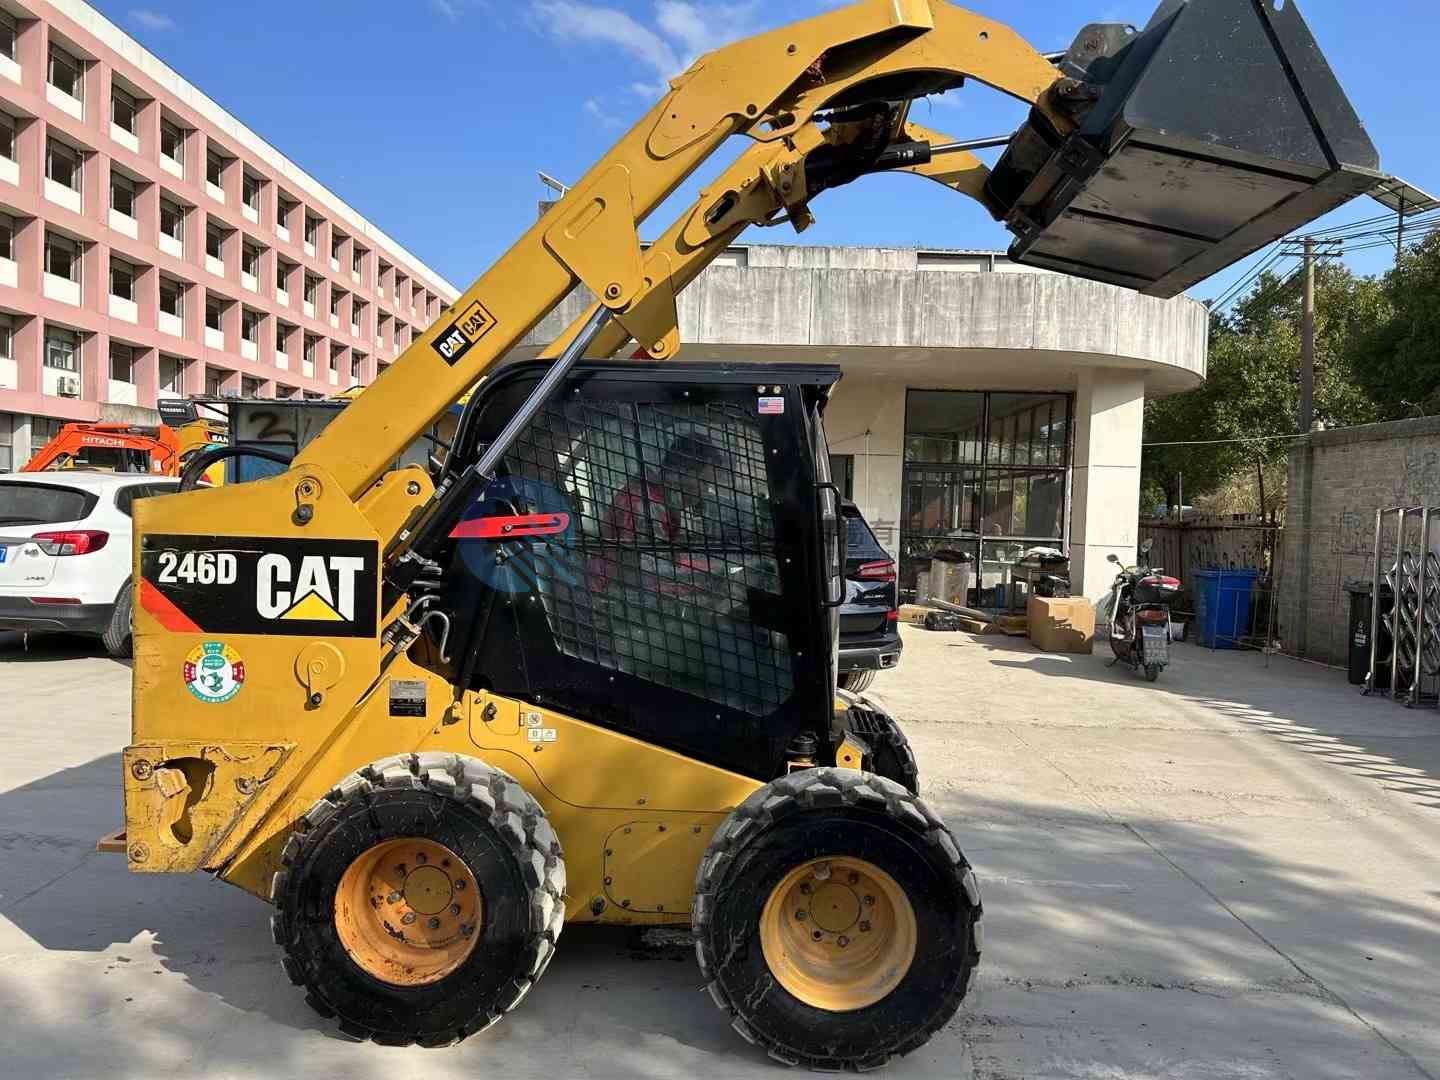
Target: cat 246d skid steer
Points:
x,y
583,670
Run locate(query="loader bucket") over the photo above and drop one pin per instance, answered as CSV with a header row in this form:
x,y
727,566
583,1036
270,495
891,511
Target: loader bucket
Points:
x,y
1214,131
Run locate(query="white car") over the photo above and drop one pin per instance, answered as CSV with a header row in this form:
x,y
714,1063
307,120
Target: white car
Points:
x,y
65,540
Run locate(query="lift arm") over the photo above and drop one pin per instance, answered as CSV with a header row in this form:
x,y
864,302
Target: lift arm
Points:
x,y
1140,164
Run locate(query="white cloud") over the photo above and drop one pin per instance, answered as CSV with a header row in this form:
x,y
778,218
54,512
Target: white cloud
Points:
x,y
681,32
571,20
595,109
447,9
151,20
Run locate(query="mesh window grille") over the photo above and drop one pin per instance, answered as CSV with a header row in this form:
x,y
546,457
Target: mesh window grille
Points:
x,y
669,565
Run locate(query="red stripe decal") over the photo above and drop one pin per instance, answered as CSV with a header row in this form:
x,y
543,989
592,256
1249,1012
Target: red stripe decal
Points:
x,y
166,613
511,527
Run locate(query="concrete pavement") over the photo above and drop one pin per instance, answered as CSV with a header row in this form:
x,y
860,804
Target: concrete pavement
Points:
x,y
1232,873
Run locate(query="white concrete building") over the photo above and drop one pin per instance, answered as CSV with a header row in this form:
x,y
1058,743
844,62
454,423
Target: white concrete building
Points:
x,y
984,405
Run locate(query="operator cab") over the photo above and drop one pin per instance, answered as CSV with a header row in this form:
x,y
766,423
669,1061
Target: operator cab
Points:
x,y
655,555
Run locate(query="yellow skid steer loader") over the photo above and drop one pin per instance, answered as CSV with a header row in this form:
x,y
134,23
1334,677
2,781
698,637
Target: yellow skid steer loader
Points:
x,y
584,670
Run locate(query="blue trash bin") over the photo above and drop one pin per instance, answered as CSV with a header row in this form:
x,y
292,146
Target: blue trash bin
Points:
x,y
1222,600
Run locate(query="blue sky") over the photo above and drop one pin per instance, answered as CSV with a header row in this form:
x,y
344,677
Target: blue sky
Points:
x,y
431,117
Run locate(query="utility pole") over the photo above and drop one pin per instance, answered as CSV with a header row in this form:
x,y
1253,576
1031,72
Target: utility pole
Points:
x,y
1307,341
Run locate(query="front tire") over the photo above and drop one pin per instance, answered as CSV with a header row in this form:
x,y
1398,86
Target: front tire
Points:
x,y
1152,672
836,922
117,637
420,899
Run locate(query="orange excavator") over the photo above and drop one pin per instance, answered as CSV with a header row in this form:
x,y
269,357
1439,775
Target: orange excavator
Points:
x,y
163,450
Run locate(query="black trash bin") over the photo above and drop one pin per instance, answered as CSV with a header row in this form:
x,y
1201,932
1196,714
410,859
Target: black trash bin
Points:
x,y
1359,635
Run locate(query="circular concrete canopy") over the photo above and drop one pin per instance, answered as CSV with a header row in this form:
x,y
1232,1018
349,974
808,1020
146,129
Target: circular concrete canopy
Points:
x,y
934,328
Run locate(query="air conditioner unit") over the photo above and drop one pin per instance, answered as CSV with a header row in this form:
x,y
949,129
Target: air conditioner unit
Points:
x,y
67,386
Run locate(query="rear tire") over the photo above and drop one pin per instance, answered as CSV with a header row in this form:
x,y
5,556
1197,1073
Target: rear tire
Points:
x,y
1152,672
857,681
893,901
434,960
890,753
117,637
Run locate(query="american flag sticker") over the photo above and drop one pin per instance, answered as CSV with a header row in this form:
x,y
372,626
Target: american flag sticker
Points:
x,y
772,406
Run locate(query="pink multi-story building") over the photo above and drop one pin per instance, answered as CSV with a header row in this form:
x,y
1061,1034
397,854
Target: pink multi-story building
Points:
x,y
153,246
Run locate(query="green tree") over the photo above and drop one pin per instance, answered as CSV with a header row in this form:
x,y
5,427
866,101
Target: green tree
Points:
x,y
1397,357
1251,393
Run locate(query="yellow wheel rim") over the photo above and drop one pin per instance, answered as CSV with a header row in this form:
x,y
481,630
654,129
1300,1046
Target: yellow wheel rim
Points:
x,y
838,934
408,911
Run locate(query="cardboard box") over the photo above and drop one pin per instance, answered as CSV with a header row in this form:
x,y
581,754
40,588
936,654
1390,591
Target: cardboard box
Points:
x,y
1062,625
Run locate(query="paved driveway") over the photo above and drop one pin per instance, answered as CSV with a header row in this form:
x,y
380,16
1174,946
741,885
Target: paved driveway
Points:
x,y
1232,873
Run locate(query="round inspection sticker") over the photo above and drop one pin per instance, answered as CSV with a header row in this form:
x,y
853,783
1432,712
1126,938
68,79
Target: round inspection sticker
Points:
x,y
214,672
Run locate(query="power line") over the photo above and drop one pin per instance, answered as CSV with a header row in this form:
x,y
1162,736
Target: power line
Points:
x,y
1222,442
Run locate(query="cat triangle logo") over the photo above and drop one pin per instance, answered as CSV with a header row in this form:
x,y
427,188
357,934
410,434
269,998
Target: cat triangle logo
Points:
x,y
313,608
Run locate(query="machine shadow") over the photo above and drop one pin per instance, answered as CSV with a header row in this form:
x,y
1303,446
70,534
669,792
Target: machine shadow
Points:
x,y
1049,932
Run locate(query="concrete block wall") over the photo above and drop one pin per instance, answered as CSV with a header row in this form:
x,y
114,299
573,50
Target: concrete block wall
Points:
x,y
1338,479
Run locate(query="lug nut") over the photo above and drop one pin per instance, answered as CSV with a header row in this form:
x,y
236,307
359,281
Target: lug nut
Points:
x,y
408,918
455,910
817,935
420,856
805,889
842,941
869,901
865,927
434,923
459,885
799,916
394,897
854,877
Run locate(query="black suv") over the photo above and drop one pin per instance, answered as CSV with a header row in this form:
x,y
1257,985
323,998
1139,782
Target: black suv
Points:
x,y
869,626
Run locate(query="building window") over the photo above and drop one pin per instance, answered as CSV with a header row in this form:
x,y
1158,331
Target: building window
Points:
x,y
7,36
251,191
172,219
122,194
172,141
123,109
214,238
214,168
62,164
355,368
398,325
7,237
312,226
250,325
357,316
250,260
249,387
172,375
336,296
984,473
335,245
212,313
7,443
310,349
7,335
281,333
62,257
282,210
357,260
172,298
312,287
62,349
214,381
7,136
122,279
122,363
65,73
